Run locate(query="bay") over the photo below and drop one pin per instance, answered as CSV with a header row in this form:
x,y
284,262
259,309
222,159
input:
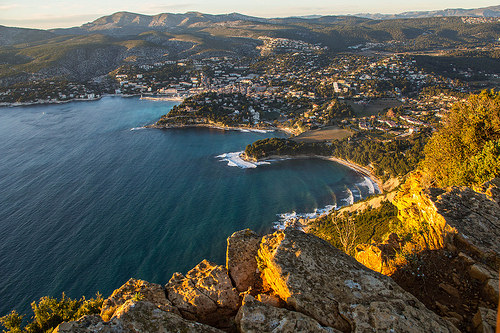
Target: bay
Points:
x,y
88,199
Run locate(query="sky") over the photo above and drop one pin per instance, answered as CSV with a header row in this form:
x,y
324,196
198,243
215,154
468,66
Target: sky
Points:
x,y
46,14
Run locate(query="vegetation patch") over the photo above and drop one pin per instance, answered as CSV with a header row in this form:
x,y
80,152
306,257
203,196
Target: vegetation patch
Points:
x,y
371,224
49,312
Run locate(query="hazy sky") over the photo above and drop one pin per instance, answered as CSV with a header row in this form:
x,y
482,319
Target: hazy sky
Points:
x,y
67,13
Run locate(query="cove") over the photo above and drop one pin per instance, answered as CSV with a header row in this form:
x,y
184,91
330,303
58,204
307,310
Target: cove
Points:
x,y
89,199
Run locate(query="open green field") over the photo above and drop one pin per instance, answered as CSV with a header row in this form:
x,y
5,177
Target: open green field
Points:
x,y
324,134
374,107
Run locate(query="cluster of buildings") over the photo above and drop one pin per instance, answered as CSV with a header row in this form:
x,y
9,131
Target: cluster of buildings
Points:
x,y
46,91
477,20
295,88
284,45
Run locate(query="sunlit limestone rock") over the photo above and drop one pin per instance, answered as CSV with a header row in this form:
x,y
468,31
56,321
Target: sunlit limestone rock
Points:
x,y
322,282
145,317
204,294
242,248
134,316
139,290
442,217
379,256
257,317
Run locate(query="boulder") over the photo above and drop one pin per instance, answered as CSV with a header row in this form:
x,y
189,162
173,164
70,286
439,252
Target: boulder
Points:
x,y
271,300
139,290
135,316
85,324
204,294
484,321
322,282
490,290
242,249
379,257
257,317
481,272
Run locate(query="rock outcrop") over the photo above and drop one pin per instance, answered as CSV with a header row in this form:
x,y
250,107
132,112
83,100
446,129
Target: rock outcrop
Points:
x,y
379,256
240,258
257,317
139,290
303,284
134,316
204,294
322,282
443,217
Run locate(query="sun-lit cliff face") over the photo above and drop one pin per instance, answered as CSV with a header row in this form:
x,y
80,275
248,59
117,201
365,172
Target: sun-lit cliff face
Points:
x,y
289,281
445,249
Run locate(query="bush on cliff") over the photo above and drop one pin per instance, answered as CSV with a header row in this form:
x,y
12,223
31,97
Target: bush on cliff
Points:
x,y
371,224
466,149
50,312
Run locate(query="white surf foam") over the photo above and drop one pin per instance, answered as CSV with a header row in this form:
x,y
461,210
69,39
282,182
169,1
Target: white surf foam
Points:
x,y
350,197
260,131
288,219
137,128
235,160
370,185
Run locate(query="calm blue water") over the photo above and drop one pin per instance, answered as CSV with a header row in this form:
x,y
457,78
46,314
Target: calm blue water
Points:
x,y
86,203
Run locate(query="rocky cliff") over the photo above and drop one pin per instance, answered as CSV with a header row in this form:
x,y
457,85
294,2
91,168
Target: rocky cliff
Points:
x,y
287,281
446,250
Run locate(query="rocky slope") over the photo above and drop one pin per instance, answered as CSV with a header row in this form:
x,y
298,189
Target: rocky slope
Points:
x,y
287,281
447,251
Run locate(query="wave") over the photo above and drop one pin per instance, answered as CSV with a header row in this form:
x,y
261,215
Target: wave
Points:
x,y
370,185
248,130
137,128
292,219
260,131
235,160
350,198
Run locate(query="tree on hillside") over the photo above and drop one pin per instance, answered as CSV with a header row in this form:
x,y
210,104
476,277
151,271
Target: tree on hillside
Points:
x,y
466,149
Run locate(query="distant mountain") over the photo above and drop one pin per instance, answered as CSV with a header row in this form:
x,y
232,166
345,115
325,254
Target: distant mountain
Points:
x,y
492,11
126,23
9,36
98,47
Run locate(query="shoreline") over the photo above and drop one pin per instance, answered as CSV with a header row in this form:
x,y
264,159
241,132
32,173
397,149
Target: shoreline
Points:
x,y
300,220
356,167
46,102
223,127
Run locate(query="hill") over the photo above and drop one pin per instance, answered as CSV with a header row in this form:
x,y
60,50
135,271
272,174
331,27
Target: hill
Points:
x,y
491,11
98,47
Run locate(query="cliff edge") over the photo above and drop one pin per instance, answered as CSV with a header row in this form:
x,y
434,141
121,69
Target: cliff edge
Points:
x,y
287,281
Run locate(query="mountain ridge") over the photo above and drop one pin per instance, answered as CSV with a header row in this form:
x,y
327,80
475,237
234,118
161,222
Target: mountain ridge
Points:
x,y
490,11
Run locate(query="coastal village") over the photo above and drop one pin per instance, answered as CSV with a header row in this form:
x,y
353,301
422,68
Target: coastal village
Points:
x,y
293,85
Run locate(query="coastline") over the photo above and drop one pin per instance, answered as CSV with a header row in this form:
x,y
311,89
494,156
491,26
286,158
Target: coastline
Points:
x,y
49,102
223,127
46,102
356,167
301,220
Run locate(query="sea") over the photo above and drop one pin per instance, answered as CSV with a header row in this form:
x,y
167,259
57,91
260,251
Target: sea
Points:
x,y
90,198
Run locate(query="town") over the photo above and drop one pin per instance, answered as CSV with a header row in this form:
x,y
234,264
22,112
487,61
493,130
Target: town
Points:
x,y
293,86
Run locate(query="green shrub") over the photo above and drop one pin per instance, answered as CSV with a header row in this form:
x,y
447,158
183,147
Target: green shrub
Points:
x,y
49,312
